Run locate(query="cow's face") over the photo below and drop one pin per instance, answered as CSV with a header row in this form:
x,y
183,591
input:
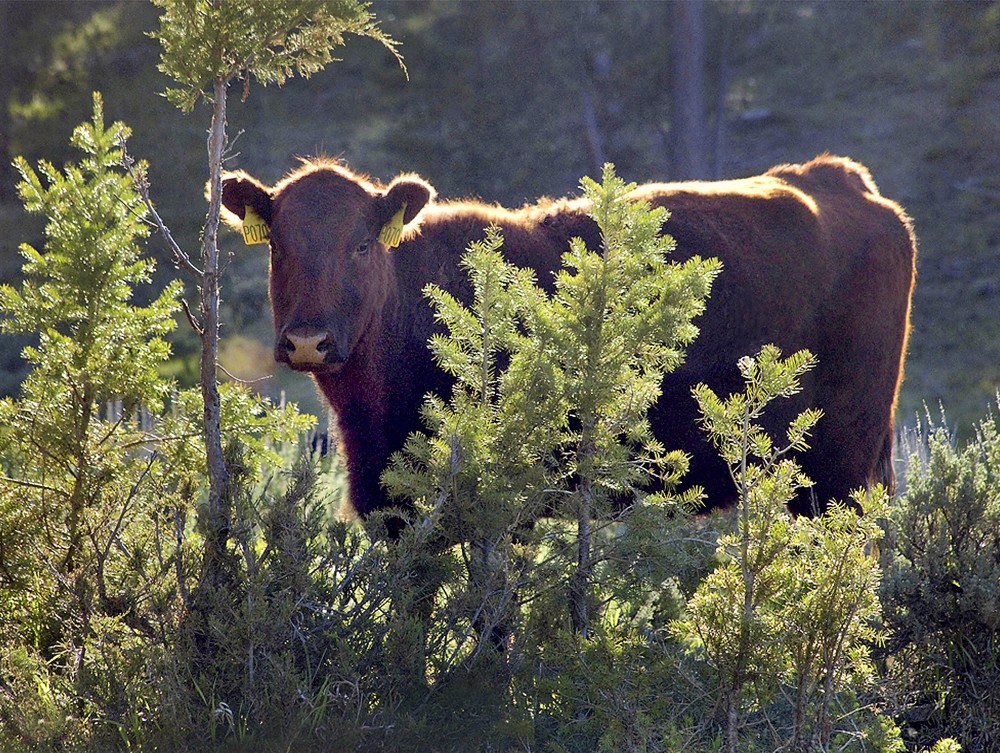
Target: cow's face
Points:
x,y
331,262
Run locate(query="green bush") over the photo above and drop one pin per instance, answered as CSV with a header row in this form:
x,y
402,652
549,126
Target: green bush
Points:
x,y
102,474
549,416
940,594
86,500
786,620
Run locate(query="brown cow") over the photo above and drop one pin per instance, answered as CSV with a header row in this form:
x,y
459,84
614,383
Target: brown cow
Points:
x,y
813,257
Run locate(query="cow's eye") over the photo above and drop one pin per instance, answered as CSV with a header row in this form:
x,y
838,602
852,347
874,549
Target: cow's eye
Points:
x,y
363,247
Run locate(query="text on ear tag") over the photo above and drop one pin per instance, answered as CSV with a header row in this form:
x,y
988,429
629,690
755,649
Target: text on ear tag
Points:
x,y
255,230
391,233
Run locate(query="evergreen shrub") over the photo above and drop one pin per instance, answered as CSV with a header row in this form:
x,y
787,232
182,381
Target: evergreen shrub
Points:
x,y
941,593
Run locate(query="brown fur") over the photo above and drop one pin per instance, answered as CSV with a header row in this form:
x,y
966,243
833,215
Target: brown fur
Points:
x,y
814,257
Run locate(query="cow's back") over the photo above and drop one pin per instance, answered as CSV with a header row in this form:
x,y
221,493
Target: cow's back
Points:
x,y
812,258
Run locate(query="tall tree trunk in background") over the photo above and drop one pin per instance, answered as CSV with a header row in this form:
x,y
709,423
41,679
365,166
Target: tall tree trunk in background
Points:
x,y
689,129
592,134
594,68
722,75
7,180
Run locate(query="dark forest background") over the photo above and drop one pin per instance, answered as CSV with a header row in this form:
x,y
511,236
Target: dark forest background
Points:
x,y
507,101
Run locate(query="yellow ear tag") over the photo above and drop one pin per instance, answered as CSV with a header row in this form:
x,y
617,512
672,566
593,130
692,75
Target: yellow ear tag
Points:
x,y
391,233
255,230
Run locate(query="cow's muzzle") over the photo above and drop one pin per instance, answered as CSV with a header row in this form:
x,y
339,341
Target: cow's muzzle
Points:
x,y
306,349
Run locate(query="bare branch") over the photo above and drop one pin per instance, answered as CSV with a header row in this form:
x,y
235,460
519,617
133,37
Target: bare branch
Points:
x,y
32,485
228,153
142,186
238,380
191,318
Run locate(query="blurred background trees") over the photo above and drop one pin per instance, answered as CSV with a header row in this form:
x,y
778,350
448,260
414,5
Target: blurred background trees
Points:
x,y
509,101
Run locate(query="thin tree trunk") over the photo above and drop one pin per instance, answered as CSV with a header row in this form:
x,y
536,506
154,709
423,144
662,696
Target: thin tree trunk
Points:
x,y
735,693
825,723
580,580
219,512
802,695
732,721
78,499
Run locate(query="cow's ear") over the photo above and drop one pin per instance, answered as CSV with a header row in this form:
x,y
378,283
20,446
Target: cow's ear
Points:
x,y
240,191
398,207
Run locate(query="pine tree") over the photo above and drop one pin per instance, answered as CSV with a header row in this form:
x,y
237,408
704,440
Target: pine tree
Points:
x,y
619,320
95,346
549,411
82,490
791,609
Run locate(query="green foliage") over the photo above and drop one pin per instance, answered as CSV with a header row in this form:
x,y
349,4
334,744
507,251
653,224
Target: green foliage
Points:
x,y
549,414
581,368
94,346
77,293
204,42
618,321
787,618
940,591
85,504
564,426
253,663
481,463
731,423
101,467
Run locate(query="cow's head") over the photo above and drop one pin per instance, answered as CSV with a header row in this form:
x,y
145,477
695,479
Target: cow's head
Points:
x,y
331,234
